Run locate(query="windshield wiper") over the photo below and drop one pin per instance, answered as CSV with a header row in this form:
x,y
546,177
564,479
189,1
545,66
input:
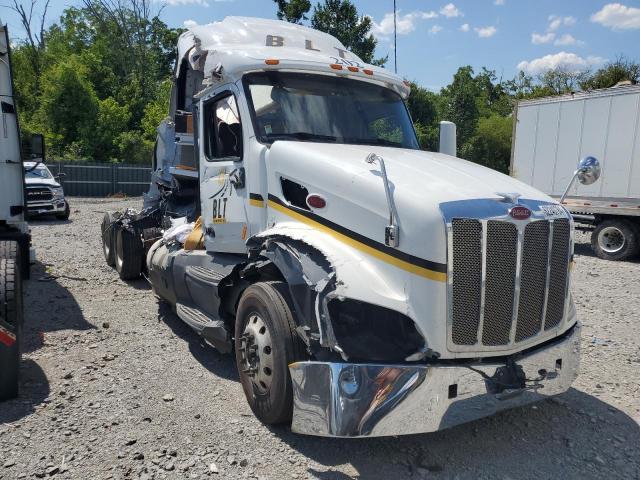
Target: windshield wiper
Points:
x,y
300,136
373,141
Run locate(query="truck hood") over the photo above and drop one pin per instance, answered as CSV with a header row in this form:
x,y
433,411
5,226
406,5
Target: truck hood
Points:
x,y
420,182
41,182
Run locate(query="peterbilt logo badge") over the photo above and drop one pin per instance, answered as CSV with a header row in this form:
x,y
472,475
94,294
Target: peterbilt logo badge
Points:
x,y
520,213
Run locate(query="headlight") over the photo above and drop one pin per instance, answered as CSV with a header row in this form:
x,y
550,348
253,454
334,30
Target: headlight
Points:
x,y
58,192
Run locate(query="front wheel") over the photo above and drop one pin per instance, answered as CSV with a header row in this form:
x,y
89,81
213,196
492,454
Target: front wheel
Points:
x,y
67,212
266,343
129,254
10,327
615,239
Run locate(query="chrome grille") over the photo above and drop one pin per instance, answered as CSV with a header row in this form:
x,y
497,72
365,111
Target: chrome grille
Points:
x,y
533,279
558,273
38,194
508,284
467,267
502,241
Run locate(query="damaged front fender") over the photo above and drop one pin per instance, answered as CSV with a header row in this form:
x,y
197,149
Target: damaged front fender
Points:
x,y
343,302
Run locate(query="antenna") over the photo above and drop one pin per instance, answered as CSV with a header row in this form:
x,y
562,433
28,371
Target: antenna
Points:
x,y
395,39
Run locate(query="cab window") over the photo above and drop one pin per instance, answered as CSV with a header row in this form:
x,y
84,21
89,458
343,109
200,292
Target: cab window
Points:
x,y
222,129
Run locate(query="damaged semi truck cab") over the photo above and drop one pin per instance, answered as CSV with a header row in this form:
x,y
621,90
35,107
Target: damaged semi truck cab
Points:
x,y
366,287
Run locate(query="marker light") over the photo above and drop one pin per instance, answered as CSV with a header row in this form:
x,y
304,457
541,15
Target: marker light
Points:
x,y
272,61
336,66
368,72
353,69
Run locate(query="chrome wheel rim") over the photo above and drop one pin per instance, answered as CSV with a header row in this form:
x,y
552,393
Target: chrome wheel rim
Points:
x,y
611,239
257,353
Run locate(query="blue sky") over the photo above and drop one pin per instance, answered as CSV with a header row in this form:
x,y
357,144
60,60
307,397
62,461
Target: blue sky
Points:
x,y
436,37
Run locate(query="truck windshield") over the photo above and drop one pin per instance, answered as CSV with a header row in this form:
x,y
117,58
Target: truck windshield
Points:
x,y
319,108
39,172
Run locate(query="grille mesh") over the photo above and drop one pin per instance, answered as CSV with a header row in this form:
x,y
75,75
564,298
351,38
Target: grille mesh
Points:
x,y
500,264
467,277
558,277
502,239
533,279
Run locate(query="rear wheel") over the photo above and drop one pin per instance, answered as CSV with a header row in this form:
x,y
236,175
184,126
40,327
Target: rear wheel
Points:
x,y
10,327
266,343
108,229
129,253
615,239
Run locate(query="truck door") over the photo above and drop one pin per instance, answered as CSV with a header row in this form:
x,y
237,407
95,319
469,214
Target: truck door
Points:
x,y
223,195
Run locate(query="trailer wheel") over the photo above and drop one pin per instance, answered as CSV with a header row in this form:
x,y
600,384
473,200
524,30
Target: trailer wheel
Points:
x,y
615,239
129,253
10,327
266,343
108,230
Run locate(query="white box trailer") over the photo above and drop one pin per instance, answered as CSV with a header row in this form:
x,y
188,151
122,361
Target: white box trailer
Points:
x,y
550,136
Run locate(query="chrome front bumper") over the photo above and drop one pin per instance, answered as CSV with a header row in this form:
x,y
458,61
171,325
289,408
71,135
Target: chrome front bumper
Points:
x,y
47,207
366,400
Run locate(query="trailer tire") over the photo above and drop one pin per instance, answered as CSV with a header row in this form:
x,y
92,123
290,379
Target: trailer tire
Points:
x,y
11,320
266,343
615,239
109,229
129,254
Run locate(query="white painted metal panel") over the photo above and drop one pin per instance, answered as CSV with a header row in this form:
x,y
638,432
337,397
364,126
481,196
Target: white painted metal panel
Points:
x,y
525,144
594,139
620,143
545,149
602,123
568,150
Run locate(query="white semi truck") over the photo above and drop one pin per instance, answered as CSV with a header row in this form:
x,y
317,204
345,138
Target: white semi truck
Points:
x,y
366,287
550,134
15,238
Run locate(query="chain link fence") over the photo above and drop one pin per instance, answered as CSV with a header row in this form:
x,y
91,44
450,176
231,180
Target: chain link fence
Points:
x,y
100,179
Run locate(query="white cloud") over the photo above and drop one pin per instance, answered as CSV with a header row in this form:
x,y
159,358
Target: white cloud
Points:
x,y
450,11
486,32
405,23
499,2
465,27
435,29
566,40
556,22
618,17
189,23
540,38
561,60
177,3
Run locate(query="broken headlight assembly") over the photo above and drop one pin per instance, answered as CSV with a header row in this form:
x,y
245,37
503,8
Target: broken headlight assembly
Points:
x,y
371,333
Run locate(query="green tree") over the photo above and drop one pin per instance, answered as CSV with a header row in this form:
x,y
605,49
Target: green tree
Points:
x,y
111,122
460,105
424,107
611,74
69,106
294,11
491,143
340,19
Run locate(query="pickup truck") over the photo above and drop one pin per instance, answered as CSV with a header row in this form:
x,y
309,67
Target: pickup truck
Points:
x,y
366,287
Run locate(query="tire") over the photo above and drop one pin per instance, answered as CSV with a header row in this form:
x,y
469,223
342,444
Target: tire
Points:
x,y
67,212
108,230
129,252
267,305
615,239
11,320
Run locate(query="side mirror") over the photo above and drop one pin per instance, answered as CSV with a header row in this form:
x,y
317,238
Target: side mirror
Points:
x,y
60,175
33,147
588,172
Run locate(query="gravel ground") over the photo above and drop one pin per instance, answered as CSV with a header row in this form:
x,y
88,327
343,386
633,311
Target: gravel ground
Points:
x,y
116,386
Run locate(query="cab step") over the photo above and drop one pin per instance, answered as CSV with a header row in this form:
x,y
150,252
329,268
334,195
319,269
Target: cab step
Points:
x,y
204,275
213,331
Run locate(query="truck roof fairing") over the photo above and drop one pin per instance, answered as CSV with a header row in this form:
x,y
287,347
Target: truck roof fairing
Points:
x,y
243,44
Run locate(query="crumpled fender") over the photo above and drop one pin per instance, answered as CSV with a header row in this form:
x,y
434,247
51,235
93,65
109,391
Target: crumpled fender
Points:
x,y
349,273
